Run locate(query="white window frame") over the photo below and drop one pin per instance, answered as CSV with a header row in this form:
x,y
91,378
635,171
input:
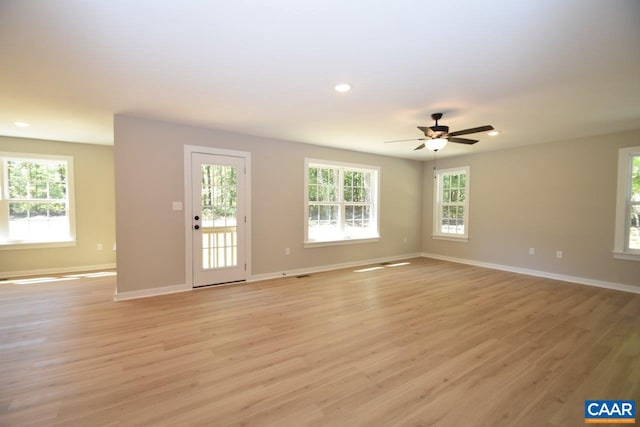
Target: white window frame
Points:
x,y
6,244
375,197
438,176
621,248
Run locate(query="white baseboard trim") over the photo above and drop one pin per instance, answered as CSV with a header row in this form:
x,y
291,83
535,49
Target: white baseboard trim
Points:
x,y
320,268
151,292
539,273
56,270
144,293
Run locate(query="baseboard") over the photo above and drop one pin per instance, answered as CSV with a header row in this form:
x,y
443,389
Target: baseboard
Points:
x,y
329,267
56,270
144,293
151,292
539,273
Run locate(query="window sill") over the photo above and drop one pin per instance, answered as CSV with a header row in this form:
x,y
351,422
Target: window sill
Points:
x,y
317,244
626,256
35,245
450,238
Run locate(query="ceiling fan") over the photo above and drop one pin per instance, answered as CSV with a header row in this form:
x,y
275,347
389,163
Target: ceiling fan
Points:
x,y
436,137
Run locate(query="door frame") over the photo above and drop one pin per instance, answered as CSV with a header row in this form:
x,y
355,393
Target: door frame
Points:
x,y
188,205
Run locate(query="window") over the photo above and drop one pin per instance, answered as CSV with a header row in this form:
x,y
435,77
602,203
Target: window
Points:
x,y
341,202
36,204
451,204
627,238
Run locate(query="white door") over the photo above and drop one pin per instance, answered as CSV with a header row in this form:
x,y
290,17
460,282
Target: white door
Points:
x,y
218,219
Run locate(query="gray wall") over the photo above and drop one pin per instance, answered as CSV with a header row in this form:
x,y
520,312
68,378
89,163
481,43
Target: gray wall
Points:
x,y
149,176
557,196
95,213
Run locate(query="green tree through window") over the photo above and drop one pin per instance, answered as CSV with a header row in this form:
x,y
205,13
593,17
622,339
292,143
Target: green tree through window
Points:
x,y
341,202
38,200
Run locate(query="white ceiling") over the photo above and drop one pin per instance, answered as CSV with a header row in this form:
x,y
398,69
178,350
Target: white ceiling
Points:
x,y
538,70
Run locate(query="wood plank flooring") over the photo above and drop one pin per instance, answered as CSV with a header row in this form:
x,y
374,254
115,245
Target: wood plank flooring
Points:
x,y
422,344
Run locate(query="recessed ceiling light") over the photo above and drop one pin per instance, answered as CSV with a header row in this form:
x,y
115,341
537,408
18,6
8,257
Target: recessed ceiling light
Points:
x,y
493,133
342,87
21,124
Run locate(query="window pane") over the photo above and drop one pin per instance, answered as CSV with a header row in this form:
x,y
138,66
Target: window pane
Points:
x,y
313,175
358,221
38,189
634,227
348,194
334,191
57,209
57,172
313,193
635,179
18,221
18,210
57,190
329,193
348,178
323,222
450,202
18,169
357,186
44,181
322,184
460,220
17,188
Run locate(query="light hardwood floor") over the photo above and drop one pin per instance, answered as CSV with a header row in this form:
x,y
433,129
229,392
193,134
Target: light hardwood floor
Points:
x,y
428,343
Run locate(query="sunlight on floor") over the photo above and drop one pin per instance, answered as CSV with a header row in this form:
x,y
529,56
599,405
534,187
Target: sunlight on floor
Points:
x,y
380,267
368,269
50,279
94,274
38,280
398,264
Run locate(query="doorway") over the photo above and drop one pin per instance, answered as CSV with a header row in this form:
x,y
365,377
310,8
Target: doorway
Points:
x,y
217,221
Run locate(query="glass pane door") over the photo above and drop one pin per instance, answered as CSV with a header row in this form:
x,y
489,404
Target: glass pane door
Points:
x,y
219,216
218,219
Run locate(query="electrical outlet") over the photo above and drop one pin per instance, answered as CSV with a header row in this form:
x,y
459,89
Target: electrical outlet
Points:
x,y
558,254
177,206
287,251
532,251
99,246
404,240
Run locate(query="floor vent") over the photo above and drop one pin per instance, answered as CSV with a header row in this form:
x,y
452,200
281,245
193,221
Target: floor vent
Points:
x,y
302,275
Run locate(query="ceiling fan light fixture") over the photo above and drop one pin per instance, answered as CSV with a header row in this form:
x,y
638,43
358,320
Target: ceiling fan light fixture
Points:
x,y
493,133
21,124
436,144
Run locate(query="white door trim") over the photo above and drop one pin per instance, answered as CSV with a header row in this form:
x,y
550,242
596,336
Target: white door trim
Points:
x,y
188,205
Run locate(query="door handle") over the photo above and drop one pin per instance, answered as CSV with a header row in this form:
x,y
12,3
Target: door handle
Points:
x,y
197,227
196,217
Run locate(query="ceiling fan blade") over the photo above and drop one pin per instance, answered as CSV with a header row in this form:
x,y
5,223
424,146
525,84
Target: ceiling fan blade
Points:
x,y
427,131
472,130
463,140
419,147
403,140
